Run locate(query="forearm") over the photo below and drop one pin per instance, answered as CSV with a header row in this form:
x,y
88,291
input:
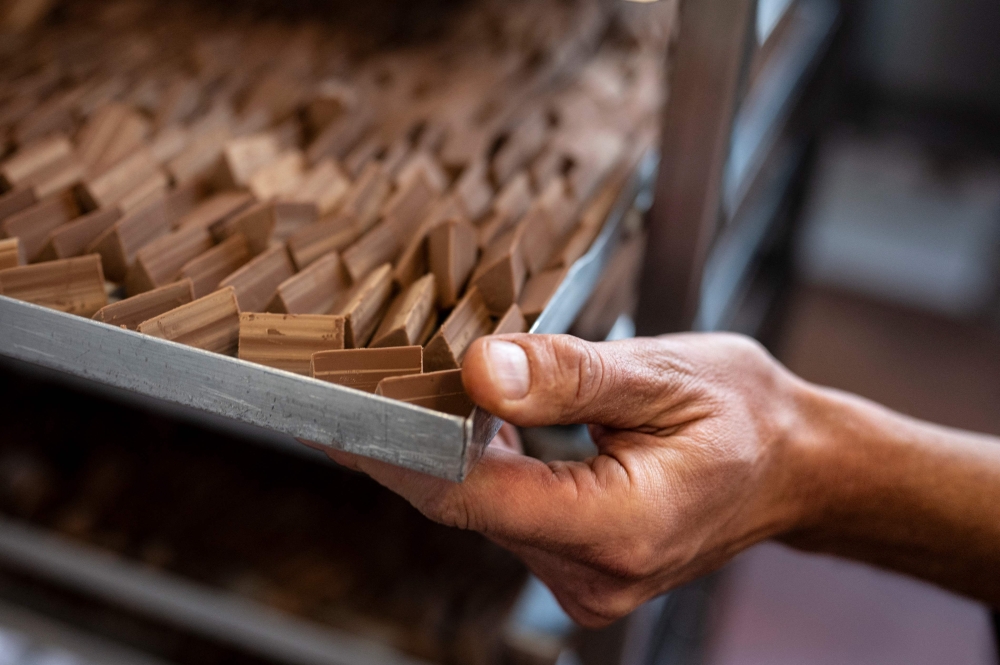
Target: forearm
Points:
x,y
889,490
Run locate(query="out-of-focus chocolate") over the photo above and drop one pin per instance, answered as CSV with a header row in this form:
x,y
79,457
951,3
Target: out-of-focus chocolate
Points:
x,y
538,293
207,270
15,201
411,317
412,263
511,323
159,262
18,169
10,253
33,226
75,286
452,250
315,290
127,183
365,306
525,142
364,369
422,165
280,177
367,196
339,136
501,273
289,341
509,207
474,191
257,282
72,239
318,240
255,223
324,187
131,312
469,321
243,157
438,391
215,210
211,323
119,244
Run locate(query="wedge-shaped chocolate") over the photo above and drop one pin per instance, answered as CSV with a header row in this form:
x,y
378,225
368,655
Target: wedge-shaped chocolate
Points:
x,y
110,134
33,226
411,317
366,198
278,178
255,223
57,178
511,323
438,391
364,369
538,293
207,270
538,240
324,187
128,182
243,157
318,240
10,253
75,285
524,144
72,239
17,200
409,206
129,313
452,250
315,290
469,321
29,160
160,262
379,246
258,281
474,191
215,210
200,158
501,273
290,217
365,306
422,164
288,341
120,243
211,323
339,136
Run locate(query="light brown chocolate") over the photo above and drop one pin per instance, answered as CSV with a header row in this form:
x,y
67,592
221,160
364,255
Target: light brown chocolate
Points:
x,y
365,306
469,321
72,239
17,200
129,313
452,251
317,240
160,262
367,196
57,178
409,206
511,323
207,270
474,191
288,341
10,253
379,246
33,226
437,391
75,286
315,290
110,134
138,171
501,273
29,160
257,282
211,323
243,157
280,177
521,147
217,209
364,369
255,223
538,292
119,244
411,318
412,261
340,135
325,187
422,164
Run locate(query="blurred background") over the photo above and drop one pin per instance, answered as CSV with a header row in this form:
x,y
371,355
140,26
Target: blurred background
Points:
x,y
854,229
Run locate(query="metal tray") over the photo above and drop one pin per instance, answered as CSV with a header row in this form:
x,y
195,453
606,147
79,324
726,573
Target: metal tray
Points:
x,y
342,418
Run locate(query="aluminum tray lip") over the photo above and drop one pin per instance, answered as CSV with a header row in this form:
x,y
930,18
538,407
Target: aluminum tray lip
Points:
x,y
403,434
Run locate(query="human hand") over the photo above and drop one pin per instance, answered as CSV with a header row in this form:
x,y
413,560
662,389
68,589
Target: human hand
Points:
x,y
695,462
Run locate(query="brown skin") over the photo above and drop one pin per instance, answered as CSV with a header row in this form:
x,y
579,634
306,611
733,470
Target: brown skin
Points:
x,y
707,447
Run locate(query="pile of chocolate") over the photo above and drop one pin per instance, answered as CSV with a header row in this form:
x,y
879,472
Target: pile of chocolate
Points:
x,y
315,200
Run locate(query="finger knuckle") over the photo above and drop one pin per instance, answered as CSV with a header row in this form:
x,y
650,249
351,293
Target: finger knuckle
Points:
x,y
582,372
451,509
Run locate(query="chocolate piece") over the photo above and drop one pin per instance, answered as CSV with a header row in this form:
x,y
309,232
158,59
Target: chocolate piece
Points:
x,y
72,239
514,199
258,281
160,262
180,201
469,321
14,202
288,341
333,100
409,206
437,391
365,200
452,250
255,223
318,240
10,253
129,313
33,226
363,154
364,369
243,157
538,240
325,187
511,323
411,317
121,181
422,165
110,134
209,269
290,217
75,285
538,293
315,290
365,306
378,246
412,262
178,102
474,191
119,244
278,178
211,323
527,141
215,210
201,156
501,273
56,178
337,139
29,160
168,143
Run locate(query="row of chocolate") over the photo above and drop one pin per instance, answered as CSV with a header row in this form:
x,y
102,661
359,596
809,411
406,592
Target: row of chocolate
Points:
x,y
311,208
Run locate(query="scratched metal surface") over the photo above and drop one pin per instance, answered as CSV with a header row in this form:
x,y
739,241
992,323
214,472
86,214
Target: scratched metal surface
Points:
x,y
345,419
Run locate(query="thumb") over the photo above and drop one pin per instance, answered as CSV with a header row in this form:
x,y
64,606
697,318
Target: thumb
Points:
x,y
540,380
